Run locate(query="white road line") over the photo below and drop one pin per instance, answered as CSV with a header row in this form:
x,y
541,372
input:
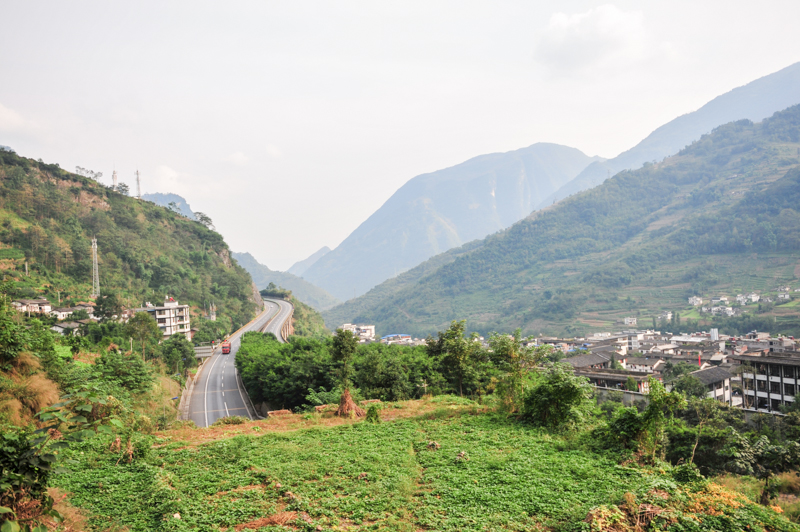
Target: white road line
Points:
x,y
205,394
227,414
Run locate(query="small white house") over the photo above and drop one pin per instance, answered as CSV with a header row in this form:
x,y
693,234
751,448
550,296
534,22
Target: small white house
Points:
x,y
753,298
784,297
629,321
61,313
695,301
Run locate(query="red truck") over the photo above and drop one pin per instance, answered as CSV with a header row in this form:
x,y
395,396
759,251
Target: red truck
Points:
x,y
226,348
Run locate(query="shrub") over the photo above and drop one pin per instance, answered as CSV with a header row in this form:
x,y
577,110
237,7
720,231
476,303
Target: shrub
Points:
x,y
230,420
559,399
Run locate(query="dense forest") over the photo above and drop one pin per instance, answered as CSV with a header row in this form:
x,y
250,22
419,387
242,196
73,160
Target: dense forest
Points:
x,y
48,218
641,242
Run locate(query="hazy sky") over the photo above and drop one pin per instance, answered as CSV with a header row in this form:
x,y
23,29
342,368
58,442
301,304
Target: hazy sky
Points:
x,y
289,123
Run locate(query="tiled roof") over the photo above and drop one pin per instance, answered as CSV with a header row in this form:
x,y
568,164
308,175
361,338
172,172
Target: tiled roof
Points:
x,y
712,375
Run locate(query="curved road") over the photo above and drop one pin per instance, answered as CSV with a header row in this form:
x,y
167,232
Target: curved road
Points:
x,y
216,390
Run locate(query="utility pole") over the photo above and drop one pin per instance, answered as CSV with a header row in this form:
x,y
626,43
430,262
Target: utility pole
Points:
x,y
95,271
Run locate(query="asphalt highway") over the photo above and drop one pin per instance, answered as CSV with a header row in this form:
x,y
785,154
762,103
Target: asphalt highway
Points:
x,y
216,390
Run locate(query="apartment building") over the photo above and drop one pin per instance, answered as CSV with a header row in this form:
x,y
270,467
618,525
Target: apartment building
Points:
x,y
171,317
769,379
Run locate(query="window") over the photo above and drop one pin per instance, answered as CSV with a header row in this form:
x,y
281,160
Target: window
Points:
x,y
775,387
788,389
762,386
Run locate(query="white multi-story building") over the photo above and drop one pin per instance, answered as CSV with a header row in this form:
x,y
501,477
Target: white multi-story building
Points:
x,y
171,317
753,298
695,301
365,333
629,321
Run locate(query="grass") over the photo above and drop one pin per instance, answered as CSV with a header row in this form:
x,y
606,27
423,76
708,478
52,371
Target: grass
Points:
x,y
442,464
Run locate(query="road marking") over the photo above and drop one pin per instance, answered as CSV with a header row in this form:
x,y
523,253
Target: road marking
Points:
x,y
205,395
227,414
242,395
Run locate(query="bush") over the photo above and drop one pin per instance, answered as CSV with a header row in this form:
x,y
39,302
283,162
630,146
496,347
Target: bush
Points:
x,y
559,399
373,414
230,420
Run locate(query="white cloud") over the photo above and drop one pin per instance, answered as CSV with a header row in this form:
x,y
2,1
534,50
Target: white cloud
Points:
x,y
600,38
273,151
238,158
13,122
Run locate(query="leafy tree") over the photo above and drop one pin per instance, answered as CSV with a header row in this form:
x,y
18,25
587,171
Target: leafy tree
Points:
x,y
761,459
707,410
510,354
660,411
631,385
690,386
673,371
79,314
343,348
107,305
123,188
458,355
204,219
177,352
128,371
559,398
144,329
13,336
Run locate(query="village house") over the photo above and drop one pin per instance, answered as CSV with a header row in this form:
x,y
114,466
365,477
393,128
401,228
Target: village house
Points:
x,y
784,297
642,365
718,382
695,301
719,300
753,298
69,327
616,378
32,306
630,321
61,313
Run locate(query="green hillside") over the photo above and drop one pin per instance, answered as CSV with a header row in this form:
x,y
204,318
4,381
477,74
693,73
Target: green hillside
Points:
x,y
719,218
48,217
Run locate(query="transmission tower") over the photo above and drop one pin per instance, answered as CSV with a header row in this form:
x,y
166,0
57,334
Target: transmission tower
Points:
x,y
95,270
114,180
138,186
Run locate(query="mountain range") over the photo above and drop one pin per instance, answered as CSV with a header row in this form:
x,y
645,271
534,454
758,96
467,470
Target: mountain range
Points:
x,y
754,101
164,200
435,212
442,210
299,267
720,217
302,289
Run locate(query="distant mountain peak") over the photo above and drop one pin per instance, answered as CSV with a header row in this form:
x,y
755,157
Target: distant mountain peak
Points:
x,y
299,267
441,210
164,200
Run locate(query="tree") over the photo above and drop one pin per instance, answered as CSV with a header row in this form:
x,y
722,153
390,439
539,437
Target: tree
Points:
x,y
707,410
631,385
559,399
690,386
343,347
144,329
660,411
457,354
515,359
107,305
204,219
177,352
123,188
761,459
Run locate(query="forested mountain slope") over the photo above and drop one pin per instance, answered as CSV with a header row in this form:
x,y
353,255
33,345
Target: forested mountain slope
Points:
x,y
306,292
720,216
442,210
754,101
48,217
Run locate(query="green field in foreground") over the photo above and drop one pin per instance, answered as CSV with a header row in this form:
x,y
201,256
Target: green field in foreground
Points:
x,y
385,477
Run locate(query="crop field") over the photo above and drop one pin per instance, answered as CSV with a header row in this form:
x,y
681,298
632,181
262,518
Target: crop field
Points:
x,y
453,469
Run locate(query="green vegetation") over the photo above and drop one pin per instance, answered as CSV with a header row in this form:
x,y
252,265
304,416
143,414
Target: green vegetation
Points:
x,y
307,321
445,471
48,217
720,217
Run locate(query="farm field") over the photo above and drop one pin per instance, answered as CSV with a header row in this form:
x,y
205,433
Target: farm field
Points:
x,y
454,467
